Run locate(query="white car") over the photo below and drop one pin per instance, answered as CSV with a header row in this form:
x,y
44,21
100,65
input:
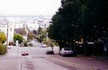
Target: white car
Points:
x,y
49,51
44,45
9,47
66,51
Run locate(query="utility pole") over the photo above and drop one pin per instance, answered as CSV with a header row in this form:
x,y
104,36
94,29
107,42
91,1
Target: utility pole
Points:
x,y
7,25
7,35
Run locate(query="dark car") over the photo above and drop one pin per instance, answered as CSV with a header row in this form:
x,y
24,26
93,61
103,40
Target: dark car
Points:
x,y
25,53
50,52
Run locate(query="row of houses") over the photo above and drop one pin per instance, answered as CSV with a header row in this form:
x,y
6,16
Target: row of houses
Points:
x,y
9,24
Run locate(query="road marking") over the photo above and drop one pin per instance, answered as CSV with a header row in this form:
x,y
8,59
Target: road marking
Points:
x,y
20,65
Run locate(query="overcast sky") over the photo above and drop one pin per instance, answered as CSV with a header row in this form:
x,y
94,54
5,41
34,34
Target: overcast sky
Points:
x,y
29,7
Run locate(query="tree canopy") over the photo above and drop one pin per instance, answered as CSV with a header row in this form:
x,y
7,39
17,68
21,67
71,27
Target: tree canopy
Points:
x,y
64,26
18,37
76,18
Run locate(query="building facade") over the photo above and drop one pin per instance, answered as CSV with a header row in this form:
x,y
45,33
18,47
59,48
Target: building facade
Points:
x,y
7,28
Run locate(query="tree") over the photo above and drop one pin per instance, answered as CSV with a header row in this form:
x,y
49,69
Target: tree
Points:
x,y
79,18
21,31
64,28
2,37
3,48
95,18
35,32
18,37
31,35
39,30
96,22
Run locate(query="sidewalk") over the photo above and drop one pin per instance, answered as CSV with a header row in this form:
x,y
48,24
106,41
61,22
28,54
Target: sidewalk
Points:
x,y
100,58
11,60
103,59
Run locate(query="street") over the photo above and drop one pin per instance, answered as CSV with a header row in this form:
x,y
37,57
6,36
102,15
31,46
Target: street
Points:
x,y
38,60
53,35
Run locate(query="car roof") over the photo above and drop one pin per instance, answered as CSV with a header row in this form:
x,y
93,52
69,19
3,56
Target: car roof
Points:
x,y
67,48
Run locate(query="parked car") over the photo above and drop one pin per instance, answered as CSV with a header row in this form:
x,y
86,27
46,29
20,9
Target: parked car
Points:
x,y
9,47
25,53
44,45
49,51
66,51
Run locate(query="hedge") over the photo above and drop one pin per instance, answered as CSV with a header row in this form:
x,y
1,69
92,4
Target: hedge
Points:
x,y
3,49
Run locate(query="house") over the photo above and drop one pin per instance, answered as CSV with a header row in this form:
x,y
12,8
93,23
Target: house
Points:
x,y
7,28
10,23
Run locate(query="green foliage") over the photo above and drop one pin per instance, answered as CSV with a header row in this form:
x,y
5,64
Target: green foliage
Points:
x,y
65,22
35,32
42,35
95,18
38,38
3,49
75,18
30,35
39,30
2,37
45,41
18,37
30,44
55,43
79,18
25,44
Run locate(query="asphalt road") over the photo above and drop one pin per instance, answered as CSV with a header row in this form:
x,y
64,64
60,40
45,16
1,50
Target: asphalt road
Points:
x,y
38,60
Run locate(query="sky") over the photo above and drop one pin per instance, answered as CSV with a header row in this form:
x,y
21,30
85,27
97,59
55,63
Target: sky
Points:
x,y
29,7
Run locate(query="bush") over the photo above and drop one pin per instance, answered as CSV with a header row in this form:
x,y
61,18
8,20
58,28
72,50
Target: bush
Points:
x,y
18,37
30,44
45,41
3,49
25,44
30,36
2,37
38,38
